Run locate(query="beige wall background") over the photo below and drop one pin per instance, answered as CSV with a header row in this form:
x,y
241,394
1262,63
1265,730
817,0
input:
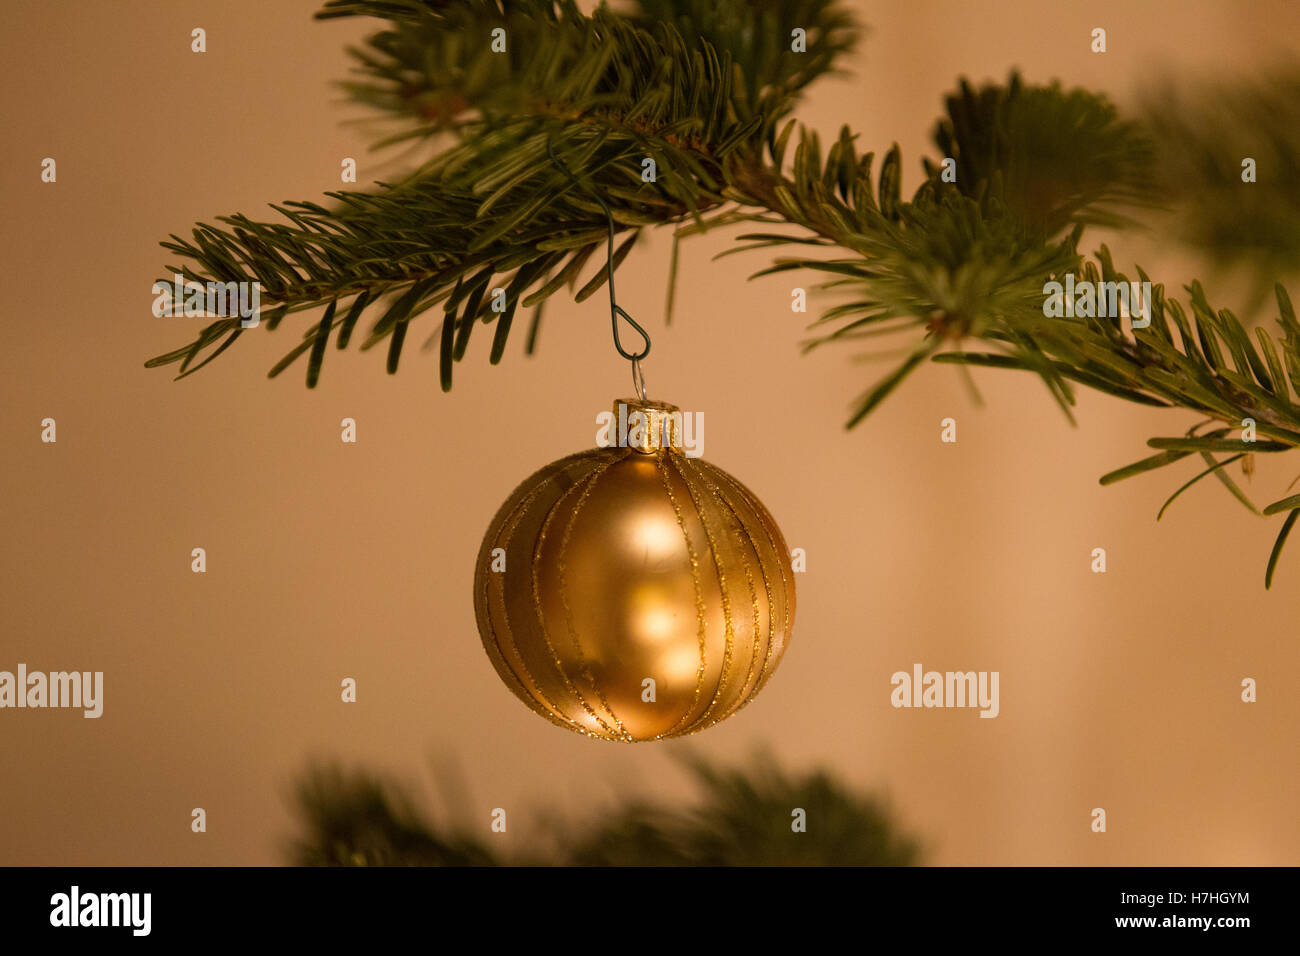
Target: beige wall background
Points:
x,y
1118,690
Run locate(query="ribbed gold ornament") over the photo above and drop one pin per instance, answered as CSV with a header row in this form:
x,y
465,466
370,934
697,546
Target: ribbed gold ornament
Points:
x,y
638,593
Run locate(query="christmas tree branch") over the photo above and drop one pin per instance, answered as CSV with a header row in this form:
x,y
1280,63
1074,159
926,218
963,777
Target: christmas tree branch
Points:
x,y
955,264
676,113
741,817
490,224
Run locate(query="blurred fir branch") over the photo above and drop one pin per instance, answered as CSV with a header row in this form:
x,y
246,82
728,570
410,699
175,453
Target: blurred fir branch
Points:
x,y
1054,158
743,818
1202,132
354,818
705,89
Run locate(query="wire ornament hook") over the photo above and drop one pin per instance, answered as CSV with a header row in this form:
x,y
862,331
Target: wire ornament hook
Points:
x,y
615,310
638,378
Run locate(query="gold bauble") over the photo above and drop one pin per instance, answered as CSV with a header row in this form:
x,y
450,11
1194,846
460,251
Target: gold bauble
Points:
x,y
637,593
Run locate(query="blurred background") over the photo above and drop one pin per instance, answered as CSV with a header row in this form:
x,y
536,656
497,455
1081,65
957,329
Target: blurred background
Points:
x,y
325,561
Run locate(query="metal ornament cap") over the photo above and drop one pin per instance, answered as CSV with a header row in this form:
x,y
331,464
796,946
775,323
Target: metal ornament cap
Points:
x,y
647,426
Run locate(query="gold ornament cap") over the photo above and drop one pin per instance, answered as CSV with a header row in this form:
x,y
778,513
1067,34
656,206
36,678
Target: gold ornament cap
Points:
x,y
648,427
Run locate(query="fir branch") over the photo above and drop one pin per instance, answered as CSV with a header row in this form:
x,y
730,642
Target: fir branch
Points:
x,y
1055,157
491,211
487,224
964,258
972,262
740,818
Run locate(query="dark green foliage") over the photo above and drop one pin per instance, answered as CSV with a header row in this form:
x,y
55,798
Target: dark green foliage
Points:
x,y
756,36
958,259
1052,157
490,210
355,819
743,818
1203,130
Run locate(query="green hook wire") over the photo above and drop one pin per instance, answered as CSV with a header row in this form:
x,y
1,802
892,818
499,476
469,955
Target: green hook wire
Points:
x,y
615,310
